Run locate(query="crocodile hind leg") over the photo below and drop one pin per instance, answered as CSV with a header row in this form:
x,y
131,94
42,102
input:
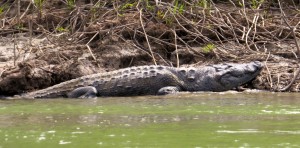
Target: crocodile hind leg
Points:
x,y
83,92
168,90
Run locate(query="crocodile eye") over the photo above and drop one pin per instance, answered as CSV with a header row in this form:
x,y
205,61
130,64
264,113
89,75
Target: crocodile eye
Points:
x,y
191,75
229,66
96,83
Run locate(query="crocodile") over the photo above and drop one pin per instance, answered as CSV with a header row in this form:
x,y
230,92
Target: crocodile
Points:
x,y
153,80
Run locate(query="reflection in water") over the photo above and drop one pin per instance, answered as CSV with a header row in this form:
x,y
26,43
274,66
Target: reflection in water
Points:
x,y
249,131
282,111
287,132
113,120
212,107
207,116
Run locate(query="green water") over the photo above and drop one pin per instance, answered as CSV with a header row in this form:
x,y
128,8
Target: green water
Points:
x,y
183,120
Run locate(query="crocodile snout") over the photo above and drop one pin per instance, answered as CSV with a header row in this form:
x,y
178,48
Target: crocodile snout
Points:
x,y
255,66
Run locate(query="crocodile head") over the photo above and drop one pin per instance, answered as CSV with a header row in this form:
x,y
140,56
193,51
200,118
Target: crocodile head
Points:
x,y
224,77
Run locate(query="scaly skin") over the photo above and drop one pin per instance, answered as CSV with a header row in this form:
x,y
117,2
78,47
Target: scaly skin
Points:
x,y
153,80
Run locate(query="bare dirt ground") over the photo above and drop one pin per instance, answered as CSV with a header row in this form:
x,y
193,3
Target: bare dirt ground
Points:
x,y
54,41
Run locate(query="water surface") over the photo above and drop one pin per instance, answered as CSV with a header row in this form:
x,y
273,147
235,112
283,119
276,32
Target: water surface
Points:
x,y
183,120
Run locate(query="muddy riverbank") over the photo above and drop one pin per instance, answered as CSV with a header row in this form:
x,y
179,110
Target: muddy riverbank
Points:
x,y
54,41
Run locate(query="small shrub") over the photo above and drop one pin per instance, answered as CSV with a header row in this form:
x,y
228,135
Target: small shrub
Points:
x,y
208,48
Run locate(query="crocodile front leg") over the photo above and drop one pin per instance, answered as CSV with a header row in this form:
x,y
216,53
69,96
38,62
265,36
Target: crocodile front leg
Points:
x,y
168,90
83,92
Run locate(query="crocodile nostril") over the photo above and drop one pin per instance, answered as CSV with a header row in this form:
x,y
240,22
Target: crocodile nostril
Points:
x,y
254,66
258,64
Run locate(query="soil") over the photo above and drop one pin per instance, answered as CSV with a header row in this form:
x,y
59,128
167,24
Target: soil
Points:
x,y
55,42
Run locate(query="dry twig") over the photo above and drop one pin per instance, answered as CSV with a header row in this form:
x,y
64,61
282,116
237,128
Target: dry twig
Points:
x,y
146,37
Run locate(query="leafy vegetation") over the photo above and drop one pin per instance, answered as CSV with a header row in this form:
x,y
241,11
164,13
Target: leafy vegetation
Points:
x,y
203,3
71,4
62,29
178,7
255,3
208,48
128,6
2,8
38,3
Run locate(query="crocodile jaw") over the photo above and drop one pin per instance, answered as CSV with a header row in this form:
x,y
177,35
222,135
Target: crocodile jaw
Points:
x,y
235,75
223,77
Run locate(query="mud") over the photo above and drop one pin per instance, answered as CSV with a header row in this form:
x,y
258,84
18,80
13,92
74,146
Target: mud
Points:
x,y
45,65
